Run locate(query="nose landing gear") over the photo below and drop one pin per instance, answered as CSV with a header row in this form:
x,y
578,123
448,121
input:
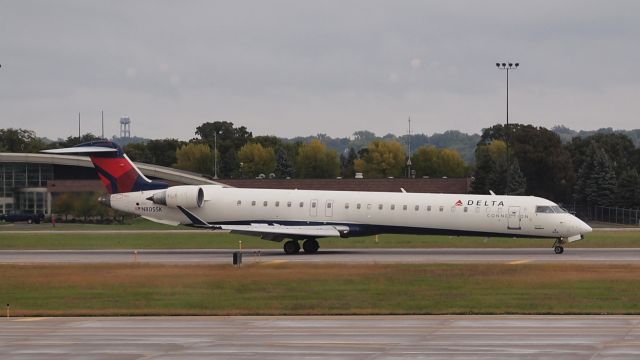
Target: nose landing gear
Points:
x,y
557,246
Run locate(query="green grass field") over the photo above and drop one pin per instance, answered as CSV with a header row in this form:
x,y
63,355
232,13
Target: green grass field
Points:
x,y
295,289
207,239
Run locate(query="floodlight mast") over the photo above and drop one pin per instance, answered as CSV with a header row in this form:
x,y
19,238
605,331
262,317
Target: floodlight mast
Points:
x,y
507,66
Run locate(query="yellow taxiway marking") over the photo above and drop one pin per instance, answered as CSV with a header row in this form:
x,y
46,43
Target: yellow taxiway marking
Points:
x,y
519,262
31,319
276,262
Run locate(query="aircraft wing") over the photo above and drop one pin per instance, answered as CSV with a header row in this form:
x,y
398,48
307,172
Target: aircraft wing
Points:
x,y
273,231
279,232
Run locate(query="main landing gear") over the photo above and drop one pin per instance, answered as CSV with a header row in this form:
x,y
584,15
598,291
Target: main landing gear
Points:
x,y
557,246
310,246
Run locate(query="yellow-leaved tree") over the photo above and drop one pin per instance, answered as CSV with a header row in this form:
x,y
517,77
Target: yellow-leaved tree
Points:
x,y
256,159
382,159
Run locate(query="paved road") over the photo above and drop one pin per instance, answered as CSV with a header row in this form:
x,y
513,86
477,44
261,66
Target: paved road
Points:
x,y
363,337
213,256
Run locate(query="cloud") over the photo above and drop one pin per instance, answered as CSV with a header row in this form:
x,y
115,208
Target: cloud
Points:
x,y
416,63
292,68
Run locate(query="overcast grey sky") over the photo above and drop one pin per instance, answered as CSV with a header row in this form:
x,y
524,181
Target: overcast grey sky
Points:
x,y
296,67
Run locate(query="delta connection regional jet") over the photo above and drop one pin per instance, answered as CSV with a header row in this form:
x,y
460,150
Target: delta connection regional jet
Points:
x,y
307,215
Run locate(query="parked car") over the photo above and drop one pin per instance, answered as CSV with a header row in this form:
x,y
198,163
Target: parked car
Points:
x,y
22,216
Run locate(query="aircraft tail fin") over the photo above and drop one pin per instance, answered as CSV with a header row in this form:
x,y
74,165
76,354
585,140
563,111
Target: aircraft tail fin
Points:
x,y
115,169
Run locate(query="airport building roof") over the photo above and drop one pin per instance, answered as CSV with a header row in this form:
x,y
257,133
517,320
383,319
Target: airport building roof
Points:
x,y
155,171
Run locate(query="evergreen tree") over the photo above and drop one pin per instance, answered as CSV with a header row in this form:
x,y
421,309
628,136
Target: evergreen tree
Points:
x,y
484,168
628,193
284,166
596,183
517,182
347,163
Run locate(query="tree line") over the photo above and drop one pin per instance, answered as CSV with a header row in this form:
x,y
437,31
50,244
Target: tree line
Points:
x,y
599,169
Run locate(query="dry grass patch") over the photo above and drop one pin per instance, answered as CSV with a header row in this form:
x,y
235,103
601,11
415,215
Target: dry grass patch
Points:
x,y
297,289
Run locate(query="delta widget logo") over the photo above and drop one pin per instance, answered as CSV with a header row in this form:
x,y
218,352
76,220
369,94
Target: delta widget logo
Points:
x,y
459,203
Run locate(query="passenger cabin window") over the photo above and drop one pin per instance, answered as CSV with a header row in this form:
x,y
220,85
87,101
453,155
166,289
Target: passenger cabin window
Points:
x,y
264,203
277,203
466,209
393,207
239,202
417,207
404,207
346,205
379,206
253,203
441,208
313,204
288,203
301,204
428,207
358,206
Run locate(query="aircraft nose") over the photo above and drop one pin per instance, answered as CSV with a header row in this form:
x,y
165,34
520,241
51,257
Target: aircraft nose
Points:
x,y
583,227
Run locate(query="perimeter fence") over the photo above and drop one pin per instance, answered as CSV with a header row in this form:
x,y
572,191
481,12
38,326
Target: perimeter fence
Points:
x,y
613,215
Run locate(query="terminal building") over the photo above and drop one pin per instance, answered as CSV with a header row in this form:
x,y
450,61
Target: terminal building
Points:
x,y
29,182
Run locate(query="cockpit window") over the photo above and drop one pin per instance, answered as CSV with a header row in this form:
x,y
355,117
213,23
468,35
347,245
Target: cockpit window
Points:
x,y
544,210
555,209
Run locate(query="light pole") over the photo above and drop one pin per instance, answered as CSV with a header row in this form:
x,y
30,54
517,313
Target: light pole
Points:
x,y
215,155
506,67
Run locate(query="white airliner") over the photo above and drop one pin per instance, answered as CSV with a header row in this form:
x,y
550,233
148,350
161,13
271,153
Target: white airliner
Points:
x,y
307,215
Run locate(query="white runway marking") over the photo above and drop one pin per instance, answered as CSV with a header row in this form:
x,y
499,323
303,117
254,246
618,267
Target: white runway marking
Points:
x,y
220,256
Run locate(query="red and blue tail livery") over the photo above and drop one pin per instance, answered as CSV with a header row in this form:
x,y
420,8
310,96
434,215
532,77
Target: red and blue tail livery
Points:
x,y
115,169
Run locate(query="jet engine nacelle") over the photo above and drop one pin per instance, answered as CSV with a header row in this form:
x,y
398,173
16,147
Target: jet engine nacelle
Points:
x,y
187,196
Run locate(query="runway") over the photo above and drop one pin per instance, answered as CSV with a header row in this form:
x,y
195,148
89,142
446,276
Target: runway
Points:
x,y
349,337
219,256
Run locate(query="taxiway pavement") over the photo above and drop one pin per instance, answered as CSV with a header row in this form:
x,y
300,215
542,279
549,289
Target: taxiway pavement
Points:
x,y
219,256
328,337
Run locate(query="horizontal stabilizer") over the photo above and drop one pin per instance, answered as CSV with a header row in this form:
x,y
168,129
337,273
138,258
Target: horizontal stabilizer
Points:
x,y
81,150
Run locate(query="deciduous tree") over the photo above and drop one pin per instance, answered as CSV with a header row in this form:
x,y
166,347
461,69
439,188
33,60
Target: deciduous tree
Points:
x,y
382,159
438,162
195,157
256,160
316,161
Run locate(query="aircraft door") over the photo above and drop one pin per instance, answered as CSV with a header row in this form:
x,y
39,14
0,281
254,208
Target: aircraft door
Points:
x,y
313,208
328,208
514,218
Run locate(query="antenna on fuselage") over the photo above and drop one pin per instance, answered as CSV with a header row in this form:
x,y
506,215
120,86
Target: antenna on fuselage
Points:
x,y
492,193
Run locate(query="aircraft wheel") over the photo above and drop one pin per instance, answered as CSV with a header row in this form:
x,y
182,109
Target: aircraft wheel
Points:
x,y
291,247
310,246
558,249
